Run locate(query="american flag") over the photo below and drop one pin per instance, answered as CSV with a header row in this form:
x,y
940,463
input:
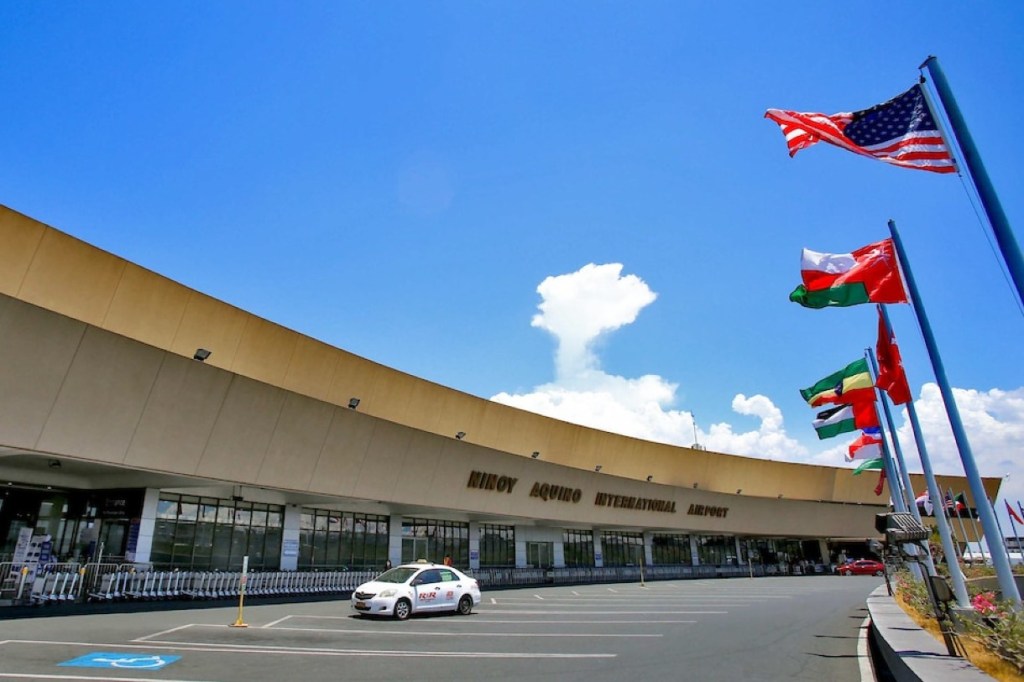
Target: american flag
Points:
x,y
901,131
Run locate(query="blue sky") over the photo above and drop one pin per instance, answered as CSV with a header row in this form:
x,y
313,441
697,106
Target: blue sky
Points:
x,y
576,207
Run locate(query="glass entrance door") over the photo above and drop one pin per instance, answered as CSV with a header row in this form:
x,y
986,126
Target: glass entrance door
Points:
x,y
540,554
414,549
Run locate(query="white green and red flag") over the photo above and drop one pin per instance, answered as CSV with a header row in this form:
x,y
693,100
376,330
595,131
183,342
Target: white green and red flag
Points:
x,y
845,418
870,274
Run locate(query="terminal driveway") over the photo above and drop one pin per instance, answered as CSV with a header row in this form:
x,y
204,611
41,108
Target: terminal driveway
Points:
x,y
802,628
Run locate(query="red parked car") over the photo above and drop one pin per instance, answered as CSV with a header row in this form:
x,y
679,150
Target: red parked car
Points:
x,y
862,567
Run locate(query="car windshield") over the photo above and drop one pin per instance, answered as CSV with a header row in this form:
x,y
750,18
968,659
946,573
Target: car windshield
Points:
x,y
396,575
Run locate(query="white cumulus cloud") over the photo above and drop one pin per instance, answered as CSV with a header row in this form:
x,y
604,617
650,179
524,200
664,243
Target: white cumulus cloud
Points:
x,y
581,307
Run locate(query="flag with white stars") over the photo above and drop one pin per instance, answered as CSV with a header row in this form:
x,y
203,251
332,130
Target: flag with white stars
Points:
x,y
902,132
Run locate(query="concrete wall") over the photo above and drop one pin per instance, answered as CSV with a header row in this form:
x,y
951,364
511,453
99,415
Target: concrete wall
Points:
x,y
71,390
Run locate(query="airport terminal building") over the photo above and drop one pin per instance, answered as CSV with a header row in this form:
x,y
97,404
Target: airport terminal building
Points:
x,y
148,422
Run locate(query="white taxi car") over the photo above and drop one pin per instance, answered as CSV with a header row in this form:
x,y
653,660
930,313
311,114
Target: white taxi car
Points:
x,y
417,588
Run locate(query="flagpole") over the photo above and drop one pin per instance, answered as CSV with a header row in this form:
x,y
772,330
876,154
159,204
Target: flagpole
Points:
x,y
979,176
1002,535
952,530
1021,549
1000,561
963,528
908,489
974,523
948,547
1014,527
899,501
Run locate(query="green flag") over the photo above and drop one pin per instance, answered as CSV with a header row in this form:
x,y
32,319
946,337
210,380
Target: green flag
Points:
x,y
876,463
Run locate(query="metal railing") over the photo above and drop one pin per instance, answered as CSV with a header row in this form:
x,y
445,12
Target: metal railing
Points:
x,y
111,582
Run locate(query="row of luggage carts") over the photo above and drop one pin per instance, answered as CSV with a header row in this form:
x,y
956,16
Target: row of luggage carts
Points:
x,y
57,583
131,584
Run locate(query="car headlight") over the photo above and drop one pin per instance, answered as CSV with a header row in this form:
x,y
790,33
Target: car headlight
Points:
x,y
390,592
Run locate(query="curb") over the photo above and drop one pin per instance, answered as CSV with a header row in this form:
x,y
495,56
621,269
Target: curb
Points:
x,y
911,653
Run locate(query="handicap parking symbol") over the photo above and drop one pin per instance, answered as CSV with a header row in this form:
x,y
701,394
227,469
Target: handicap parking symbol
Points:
x,y
133,661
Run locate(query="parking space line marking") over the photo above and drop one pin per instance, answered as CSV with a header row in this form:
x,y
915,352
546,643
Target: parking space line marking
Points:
x,y
539,597
303,651
275,622
162,632
475,620
600,613
633,599
426,633
583,622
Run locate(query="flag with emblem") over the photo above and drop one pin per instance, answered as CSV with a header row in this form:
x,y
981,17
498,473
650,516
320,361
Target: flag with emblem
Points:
x,y
870,274
891,377
902,132
849,385
845,418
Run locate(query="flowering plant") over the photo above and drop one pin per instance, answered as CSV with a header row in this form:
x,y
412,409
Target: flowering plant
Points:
x,y
984,602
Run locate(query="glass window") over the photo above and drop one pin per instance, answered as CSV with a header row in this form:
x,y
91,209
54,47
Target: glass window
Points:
x,y
497,546
433,539
669,549
430,576
622,549
208,533
578,547
330,539
717,550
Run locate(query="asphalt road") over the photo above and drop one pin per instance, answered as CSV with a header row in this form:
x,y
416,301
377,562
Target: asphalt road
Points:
x,y
790,628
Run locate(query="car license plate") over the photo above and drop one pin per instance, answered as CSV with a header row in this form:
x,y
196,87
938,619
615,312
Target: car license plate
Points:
x,y
361,605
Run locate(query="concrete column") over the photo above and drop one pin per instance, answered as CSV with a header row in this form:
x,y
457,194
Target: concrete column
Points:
x,y
520,547
739,552
826,560
395,539
474,545
558,560
147,526
648,548
290,537
694,556
598,551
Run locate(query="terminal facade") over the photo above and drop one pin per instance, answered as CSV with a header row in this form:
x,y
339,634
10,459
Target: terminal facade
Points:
x,y
144,422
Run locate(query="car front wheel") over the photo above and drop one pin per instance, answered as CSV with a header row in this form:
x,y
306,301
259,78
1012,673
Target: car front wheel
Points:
x,y
403,609
465,605
879,573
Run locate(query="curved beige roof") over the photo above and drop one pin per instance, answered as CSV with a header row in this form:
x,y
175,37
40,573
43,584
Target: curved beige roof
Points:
x,y
44,267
